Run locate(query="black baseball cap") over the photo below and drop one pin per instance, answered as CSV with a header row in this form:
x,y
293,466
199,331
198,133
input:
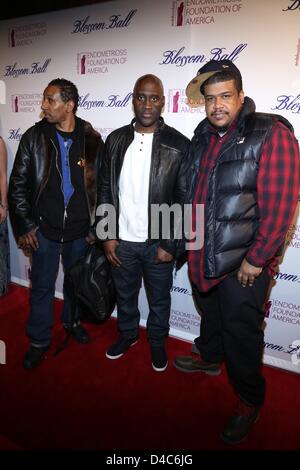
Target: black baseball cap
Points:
x,y
195,97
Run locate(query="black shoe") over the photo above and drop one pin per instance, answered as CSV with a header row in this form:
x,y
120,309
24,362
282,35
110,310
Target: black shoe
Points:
x,y
239,425
159,358
34,357
191,364
120,347
78,333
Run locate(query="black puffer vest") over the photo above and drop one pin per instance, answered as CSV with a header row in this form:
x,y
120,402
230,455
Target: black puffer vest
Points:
x,y
231,209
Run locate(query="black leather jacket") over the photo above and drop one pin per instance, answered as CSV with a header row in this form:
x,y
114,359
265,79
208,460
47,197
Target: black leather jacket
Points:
x,y
167,174
36,153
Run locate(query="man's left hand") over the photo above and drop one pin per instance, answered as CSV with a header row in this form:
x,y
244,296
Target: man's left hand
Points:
x,y
163,256
248,273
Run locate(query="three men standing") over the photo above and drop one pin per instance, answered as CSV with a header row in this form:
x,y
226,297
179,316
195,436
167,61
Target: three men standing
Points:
x,y
242,165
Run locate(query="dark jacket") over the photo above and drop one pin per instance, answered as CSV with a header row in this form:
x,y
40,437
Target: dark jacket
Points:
x,y
231,209
36,177
167,173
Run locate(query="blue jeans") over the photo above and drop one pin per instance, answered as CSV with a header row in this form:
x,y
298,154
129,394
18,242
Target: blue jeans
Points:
x,y
138,261
45,265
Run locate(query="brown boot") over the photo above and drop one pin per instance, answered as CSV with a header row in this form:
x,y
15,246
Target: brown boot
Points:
x,y
196,364
240,424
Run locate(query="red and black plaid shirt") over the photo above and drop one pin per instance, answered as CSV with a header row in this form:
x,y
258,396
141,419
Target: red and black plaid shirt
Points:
x,y
277,192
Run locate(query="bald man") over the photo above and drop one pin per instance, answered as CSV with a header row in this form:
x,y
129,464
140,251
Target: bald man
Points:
x,y
143,165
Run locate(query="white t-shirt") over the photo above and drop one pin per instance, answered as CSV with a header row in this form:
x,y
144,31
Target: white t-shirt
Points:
x,y
134,189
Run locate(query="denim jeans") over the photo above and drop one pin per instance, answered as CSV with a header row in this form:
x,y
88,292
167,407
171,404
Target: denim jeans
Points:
x,y
44,270
138,262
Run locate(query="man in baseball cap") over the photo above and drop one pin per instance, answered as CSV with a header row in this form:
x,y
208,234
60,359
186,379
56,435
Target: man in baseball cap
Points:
x,y
245,170
194,90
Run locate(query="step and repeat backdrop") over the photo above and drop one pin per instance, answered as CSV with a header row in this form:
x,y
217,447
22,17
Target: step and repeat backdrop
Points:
x,y
104,48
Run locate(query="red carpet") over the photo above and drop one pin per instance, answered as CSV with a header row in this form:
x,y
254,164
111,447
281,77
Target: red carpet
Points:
x,y
82,400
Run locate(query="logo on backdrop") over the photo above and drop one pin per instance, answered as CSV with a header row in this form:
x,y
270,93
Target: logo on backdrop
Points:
x,y
26,34
287,277
94,62
292,349
113,22
112,101
26,103
181,290
289,103
200,12
176,56
15,134
284,311
184,321
267,308
36,67
293,237
104,131
294,5
178,103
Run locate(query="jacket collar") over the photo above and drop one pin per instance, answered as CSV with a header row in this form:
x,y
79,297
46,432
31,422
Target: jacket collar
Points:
x,y
50,130
160,126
